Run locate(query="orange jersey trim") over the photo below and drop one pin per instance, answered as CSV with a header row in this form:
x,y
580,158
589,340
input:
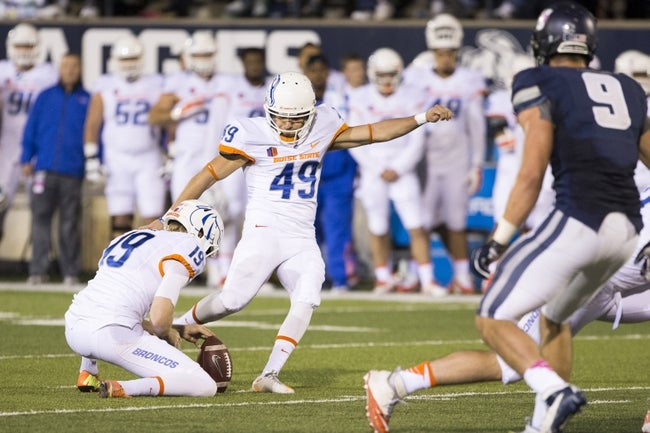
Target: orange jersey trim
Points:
x,y
285,338
179,259
161,384
340,130
233,151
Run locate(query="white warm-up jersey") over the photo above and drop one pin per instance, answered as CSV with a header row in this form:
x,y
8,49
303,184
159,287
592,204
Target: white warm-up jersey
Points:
x,y
455,145
126,105
19,91
130,271
367,105
192,143
282,179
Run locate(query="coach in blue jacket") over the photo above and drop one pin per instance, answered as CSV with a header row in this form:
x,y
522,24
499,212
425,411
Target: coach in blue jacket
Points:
x,y
53,157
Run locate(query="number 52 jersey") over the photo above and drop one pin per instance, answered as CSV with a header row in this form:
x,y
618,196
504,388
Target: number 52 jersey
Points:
x,y
130,271
282,179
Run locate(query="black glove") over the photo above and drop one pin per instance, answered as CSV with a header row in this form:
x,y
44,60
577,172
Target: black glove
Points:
x,y
643,255
484,255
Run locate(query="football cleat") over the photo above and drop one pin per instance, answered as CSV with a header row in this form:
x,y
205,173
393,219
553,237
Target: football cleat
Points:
x,y
562,405
269,382
646,423
112,389
381,397
382,287
434,290
87,382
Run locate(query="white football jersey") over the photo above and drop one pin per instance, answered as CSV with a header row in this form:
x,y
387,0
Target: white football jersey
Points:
x,y
126,107
459,142
129,273
19,92
367,105
191,133
282,179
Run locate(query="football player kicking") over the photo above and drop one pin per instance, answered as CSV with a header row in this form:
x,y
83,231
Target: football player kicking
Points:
x,y
281,158
141,273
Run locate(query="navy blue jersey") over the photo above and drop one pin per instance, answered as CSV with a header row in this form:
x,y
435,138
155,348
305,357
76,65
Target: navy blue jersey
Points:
x,y
598,119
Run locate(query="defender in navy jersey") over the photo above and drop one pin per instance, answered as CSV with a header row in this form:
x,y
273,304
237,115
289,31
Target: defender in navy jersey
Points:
x,y
592,128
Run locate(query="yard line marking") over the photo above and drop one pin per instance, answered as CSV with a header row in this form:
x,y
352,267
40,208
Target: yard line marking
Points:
x,y
354,345
342,399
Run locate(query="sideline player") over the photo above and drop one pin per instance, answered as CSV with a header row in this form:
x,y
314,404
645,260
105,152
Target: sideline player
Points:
x,y
454,152
281,156
22,80
119,113
388,170
141,274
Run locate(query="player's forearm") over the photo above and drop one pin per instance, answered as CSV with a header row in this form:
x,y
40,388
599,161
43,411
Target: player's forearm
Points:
x,y
196,186
522,199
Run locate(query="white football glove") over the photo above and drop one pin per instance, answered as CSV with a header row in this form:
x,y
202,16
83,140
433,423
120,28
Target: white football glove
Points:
x,y
474,180
94,171
184,109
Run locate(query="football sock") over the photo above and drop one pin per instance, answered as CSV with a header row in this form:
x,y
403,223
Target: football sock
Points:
x,y
150,386
461,267
425,273
382,273
418,377
208,309
89,365
290,333
540,376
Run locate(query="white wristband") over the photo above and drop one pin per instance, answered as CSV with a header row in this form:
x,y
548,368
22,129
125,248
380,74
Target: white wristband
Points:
x,y
91,150
421,118
504,232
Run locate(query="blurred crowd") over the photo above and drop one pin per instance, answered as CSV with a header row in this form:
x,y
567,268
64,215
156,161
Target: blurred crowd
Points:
x,y
141,137
354,9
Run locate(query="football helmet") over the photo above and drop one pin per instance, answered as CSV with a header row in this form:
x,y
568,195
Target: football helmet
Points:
x,y
635,64
386,62
444,32
564,28
23,45
200,220
199,53
126,57
291,96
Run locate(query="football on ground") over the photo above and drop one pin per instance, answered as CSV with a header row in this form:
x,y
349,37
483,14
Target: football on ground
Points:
x,y
215,359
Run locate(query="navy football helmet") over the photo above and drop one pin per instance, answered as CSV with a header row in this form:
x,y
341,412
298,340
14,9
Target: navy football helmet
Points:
x,y
564,28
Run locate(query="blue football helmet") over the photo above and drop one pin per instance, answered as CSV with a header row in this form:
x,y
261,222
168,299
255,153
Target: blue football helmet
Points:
x,y
564,28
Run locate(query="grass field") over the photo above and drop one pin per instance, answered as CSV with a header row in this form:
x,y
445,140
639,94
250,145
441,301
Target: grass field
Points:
x,y
348,336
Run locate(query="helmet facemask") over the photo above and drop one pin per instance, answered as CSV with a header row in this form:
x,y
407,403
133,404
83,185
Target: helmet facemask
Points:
x,y
199,54
385,68
126,58
23,46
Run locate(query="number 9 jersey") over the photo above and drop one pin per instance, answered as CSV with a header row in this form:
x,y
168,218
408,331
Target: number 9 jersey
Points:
x,y
130,271
597,116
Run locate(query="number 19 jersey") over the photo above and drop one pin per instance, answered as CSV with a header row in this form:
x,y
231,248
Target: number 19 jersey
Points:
x,y
130,271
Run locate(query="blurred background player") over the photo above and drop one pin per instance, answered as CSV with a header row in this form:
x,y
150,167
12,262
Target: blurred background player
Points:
x,y
125,312
456,151
637,65
336,189
388,170
131,153
53,154
243,97
184,105
281,157
22,78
